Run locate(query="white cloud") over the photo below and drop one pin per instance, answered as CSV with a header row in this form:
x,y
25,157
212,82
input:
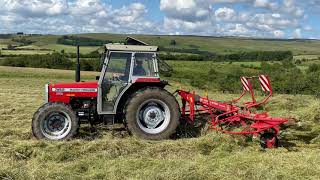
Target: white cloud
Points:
x,y
225,14
278,34
307,28
62,16
261,3
297,33
86,7
290,7
189,10
261,18
272,21
239,29
200,27
276,15
34,8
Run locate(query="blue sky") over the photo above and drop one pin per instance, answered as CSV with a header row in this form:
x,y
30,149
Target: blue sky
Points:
x,y
245,18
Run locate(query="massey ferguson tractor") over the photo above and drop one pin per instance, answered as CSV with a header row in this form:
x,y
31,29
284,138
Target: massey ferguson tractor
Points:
x,y
129,90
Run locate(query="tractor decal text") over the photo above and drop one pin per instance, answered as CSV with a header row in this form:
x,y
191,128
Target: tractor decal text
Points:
x,y
74,89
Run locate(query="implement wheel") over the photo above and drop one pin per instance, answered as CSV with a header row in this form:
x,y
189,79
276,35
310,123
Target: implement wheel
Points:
x,y
269,140
54,121
152,113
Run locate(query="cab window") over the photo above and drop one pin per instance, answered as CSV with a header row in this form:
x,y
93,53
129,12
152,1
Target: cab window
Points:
x,y
118,67
144,65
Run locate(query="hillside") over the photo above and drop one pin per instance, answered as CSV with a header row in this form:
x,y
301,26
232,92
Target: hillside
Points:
x,y
220,45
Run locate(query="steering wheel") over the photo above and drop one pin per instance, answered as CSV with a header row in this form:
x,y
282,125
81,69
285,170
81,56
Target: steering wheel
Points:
x,y
115,78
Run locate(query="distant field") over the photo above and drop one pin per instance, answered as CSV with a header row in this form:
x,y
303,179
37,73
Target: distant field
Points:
x,y
51,47
70,49
112,154
2,46
312,56
221,45
24,52
202,67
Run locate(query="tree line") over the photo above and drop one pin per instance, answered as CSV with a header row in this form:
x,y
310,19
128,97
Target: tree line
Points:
x,y
285,76
51,61
81,41
239,56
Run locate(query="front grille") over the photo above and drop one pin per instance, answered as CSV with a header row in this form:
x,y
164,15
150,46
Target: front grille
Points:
x,y
46,94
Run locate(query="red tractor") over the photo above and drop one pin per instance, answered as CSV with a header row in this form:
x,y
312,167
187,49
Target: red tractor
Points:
x,y
129,91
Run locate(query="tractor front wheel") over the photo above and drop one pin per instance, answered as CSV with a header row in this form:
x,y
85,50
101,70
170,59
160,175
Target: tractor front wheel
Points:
x,y
152,113
54,121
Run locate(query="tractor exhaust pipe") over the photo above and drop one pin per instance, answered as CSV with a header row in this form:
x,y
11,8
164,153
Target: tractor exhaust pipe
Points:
x,y
78,65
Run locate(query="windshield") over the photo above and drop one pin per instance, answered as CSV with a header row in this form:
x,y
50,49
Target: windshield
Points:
x,y
118,66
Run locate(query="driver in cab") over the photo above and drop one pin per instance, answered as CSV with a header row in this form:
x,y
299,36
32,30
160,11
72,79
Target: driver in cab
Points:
x,y
138,69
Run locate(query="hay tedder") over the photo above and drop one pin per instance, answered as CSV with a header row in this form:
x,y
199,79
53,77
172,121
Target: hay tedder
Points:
x,y
229,118
129,91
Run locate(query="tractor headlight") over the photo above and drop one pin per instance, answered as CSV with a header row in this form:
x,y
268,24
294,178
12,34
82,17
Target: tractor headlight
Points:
x,y
46,94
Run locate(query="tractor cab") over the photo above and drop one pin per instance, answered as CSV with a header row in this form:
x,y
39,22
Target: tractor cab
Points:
x,y
123,66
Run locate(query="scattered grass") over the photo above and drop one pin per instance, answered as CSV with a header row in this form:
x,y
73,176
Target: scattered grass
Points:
x,y
112,154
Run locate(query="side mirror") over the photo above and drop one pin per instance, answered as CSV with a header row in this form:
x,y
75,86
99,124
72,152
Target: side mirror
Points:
x,y
97,78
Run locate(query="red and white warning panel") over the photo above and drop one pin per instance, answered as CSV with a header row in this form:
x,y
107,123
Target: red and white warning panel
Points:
x,y
245,84
265,83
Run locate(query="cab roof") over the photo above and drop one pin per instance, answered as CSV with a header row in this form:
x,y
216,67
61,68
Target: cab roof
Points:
x,y
122,47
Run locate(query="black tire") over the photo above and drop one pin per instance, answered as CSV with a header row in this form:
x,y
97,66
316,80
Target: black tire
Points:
x,y
42,117
269,140
148,96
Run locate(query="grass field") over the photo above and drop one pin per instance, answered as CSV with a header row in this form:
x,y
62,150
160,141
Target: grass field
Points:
x,y
70,49
24,52
112,154
51,48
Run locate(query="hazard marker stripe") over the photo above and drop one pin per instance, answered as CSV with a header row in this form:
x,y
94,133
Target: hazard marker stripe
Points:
x,y
265,83
245,84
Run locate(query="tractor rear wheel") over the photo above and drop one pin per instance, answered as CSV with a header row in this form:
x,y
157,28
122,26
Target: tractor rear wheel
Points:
x,y
152,113
54,121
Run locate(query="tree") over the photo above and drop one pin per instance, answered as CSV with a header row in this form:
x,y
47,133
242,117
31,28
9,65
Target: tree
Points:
x,y
298,61
10,46
173,42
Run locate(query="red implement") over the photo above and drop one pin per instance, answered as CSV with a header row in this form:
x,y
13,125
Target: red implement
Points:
x,y
232,119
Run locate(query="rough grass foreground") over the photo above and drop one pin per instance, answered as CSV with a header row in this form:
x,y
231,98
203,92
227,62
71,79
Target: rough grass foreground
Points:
x,y
114,155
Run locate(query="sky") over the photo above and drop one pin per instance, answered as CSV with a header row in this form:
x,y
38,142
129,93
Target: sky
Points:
x,y
246,18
